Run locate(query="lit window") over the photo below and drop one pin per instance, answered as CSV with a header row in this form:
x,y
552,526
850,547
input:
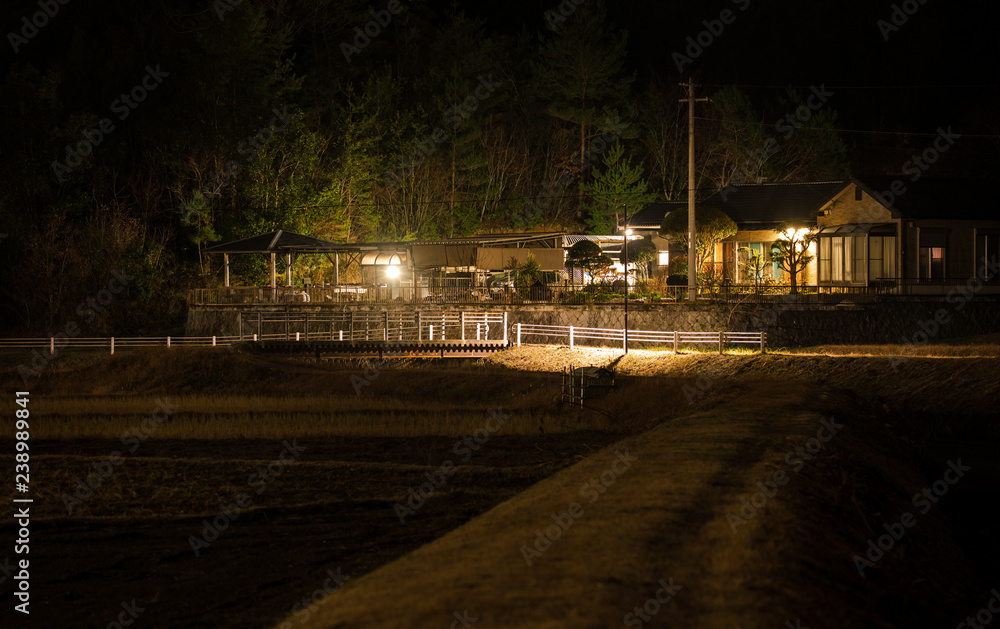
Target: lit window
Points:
x,y
932,263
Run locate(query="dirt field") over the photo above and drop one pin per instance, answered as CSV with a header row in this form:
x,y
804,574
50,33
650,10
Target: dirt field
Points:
x,y
705,430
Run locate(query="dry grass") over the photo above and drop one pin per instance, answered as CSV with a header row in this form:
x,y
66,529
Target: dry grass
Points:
x,y
666,518
209,418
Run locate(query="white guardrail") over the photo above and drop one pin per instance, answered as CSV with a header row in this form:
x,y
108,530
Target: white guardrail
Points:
x,y
674,338
520,332
112,343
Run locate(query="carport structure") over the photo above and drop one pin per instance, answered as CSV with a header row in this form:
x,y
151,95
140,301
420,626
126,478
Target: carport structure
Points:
x,y
411,271
291,245
489,252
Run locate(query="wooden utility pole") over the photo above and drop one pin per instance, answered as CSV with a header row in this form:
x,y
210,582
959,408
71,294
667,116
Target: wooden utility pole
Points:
x,y
692,252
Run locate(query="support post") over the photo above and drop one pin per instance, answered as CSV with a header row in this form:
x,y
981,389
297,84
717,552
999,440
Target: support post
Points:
x,y
385,324
461,322
420,324
168,341
296,338
762,336
431,331
504,328
225,261
692,255
722,336
274,275
213,340
571,337
254,337
112,345
52,345
676,340
519,334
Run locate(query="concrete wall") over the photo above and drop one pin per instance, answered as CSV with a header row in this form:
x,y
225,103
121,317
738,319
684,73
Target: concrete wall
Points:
x,y
787,324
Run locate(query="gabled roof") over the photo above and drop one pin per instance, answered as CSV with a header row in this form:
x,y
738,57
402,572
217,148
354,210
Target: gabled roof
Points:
x,y
943,199
278,241
651,216
765,206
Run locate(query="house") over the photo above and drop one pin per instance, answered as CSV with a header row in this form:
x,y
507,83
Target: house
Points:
x,y
912,237
922,236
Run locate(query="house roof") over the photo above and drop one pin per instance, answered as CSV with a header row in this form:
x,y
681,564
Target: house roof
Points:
x,y
651,216
931,198
765,206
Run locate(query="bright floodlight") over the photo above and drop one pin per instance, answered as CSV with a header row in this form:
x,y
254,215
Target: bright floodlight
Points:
x,y
392,271
628,232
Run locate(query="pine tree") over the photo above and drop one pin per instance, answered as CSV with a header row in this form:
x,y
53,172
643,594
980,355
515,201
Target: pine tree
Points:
x,y
581,72
620,186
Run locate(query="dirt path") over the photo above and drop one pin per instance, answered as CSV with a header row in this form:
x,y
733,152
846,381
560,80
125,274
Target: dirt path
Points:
x,y
665,515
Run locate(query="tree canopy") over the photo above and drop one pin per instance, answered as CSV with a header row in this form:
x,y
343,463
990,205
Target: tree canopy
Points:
x,y
589,256
711,226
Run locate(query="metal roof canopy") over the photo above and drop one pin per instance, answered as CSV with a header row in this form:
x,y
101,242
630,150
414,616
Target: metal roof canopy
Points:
x,y
278,241
878,229
292,244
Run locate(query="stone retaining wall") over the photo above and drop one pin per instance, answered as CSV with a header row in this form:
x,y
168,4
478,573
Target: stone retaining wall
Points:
x,y
787,324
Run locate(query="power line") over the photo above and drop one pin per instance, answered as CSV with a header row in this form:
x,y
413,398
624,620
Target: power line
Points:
x,y
861,131
861,87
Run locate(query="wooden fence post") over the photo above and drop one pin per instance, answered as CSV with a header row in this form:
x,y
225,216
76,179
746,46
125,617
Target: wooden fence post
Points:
x,y
676,339
571,337
112,345
721,338
519,334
